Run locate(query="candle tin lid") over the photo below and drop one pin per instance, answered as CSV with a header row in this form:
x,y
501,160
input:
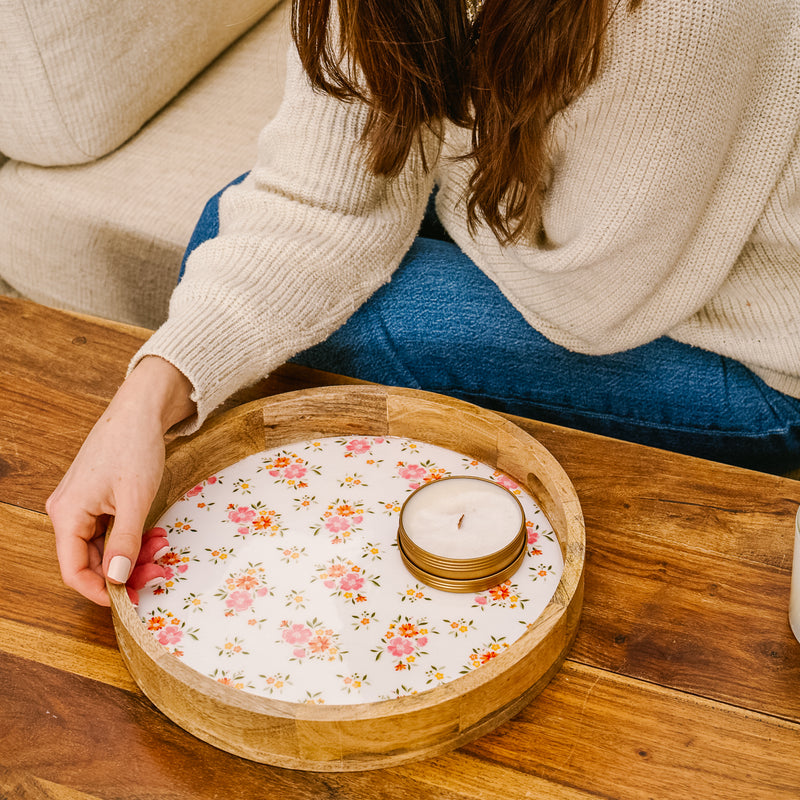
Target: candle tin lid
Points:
x,y
463,574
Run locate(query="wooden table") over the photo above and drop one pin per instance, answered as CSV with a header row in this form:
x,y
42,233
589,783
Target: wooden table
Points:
x,y
684,680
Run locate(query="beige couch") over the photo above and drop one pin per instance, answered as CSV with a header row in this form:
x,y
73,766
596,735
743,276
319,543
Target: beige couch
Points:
x,y
117,121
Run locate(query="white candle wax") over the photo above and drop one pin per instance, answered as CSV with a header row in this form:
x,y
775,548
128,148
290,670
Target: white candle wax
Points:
x,y
794,594
462,518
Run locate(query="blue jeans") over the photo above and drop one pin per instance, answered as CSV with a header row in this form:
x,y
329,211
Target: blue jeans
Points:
x,y
443,326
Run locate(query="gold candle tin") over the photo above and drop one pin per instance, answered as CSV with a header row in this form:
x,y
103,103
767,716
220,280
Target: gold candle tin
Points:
x,y
455,574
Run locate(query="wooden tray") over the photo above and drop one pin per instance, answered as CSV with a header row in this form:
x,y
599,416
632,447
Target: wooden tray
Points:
x,y
377,734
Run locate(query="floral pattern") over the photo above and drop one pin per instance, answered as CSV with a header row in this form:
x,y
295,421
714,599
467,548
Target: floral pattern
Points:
x,y
288,560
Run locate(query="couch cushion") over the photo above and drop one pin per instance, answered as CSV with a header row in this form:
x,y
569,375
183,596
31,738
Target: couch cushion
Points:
x,y
106,238
79,77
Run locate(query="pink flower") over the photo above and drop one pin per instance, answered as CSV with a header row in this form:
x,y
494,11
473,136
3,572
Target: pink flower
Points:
x,y
358,446
168,573
275,473
297,634
422,641
239,600
329,584
170,635
195,491
262,591
400,647
480,600
336,524
533,537
294,471
504,480
242,514
212,479
243,530
412,472
299,652
183,567
351,582
357,519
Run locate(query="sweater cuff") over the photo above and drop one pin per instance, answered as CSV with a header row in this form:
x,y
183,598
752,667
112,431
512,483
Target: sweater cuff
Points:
x,y
214,368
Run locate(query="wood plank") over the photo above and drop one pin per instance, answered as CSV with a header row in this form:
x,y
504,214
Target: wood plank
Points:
x,y
690,502
31,590
590,734
21,786
673,616
623,738
474,776
110,744
66,653
47,344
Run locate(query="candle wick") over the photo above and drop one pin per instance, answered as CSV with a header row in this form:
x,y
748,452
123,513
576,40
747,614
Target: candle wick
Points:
x,y
461,519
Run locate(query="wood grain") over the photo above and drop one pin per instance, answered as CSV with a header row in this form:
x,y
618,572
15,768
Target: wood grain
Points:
x,y
682,681
590,733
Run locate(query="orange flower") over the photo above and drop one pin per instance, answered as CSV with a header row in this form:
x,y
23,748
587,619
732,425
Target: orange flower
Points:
x,y
408,629
319,644
156,623
262,522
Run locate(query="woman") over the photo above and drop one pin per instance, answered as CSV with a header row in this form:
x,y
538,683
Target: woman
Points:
x,y
619,246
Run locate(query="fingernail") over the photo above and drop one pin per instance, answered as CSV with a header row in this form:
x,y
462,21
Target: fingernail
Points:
x,y
161,553
119,569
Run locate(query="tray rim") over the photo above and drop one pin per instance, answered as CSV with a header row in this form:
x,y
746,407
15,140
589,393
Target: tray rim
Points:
x,y
566,600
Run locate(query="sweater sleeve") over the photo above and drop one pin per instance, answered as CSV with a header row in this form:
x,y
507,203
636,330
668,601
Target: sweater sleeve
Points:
x,y
307,237
660,171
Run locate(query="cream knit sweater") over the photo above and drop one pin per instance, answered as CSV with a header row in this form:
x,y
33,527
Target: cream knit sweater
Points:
x,y
673,209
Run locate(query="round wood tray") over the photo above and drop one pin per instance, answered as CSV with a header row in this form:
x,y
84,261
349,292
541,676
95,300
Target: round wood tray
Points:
x,y
378,734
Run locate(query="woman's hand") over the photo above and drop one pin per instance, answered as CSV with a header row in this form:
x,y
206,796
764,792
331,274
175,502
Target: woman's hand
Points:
x,y
116,474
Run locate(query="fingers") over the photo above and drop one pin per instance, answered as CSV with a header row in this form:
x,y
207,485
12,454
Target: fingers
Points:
x,y
79,553
124,542
154,545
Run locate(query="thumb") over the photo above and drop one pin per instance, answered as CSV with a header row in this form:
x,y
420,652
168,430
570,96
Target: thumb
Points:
x,y
124,540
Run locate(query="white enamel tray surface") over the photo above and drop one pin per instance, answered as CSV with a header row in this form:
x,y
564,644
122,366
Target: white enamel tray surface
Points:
x,y
285,580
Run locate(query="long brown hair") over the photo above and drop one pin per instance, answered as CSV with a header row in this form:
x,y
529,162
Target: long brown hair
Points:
x,y
505,75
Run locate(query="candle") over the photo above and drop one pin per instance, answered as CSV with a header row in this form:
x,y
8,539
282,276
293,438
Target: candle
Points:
x,y
462,518
462,534
794,594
